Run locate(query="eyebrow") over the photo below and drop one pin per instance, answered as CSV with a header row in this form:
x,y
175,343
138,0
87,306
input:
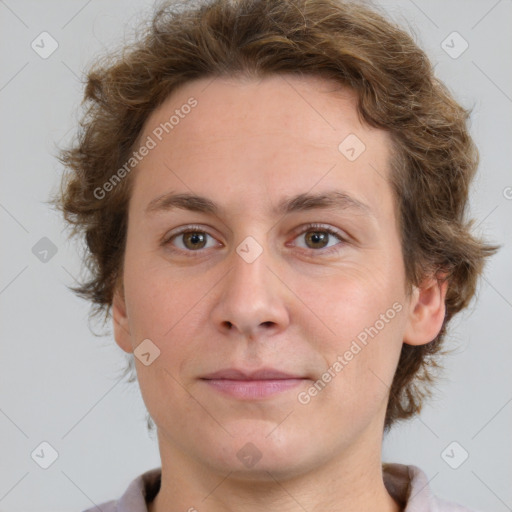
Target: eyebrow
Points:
x,y
332,200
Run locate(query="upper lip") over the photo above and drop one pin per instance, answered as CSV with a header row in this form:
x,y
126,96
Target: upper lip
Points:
x,y
261,374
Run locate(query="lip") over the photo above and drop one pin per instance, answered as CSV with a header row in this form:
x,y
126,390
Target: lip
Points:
x,y
252,385
261,374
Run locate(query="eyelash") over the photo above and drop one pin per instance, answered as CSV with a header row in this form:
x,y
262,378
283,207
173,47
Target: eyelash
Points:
x,y
310,227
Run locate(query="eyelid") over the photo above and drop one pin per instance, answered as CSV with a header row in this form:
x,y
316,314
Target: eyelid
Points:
x,y
184,229
343,238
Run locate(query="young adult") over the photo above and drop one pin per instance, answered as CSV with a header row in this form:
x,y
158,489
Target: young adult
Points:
x,y
273,197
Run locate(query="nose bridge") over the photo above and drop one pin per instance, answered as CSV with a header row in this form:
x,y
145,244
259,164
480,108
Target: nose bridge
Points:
x,y
249,274
251,297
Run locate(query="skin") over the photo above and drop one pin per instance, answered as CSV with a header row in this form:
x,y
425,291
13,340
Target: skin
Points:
x,y
246,145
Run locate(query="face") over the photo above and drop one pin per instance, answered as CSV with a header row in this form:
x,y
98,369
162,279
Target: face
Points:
x,y
275,321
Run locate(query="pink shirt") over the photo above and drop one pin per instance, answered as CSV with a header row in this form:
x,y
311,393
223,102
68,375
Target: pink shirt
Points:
x,y
406,483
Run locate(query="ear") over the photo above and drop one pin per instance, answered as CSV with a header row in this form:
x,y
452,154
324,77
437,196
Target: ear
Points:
x,y
120,319
427,311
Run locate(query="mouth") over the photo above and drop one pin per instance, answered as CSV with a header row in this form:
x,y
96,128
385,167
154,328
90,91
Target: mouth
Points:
x,y
254,385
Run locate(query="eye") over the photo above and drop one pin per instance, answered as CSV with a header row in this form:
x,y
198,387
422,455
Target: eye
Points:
x,y
190,239
194,239
317,238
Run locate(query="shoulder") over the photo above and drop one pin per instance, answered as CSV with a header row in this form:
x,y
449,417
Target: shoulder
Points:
x,y
142,489
441,505
409,485
108,506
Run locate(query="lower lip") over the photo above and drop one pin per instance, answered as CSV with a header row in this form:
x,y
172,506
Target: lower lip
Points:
x,y
253,389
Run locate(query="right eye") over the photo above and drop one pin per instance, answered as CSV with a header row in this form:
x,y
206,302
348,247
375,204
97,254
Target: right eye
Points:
x,y
188,239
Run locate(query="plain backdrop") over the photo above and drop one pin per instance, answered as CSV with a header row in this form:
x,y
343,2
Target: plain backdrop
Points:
x,y
59,384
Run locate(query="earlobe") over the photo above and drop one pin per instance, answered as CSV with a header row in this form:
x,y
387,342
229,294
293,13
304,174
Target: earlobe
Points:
x,y
120,320
427,311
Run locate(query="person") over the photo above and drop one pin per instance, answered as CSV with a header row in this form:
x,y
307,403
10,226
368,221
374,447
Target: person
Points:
x,y
273,197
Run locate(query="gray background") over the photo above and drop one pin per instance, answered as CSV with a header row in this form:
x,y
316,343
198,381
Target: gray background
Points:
x,y
60,384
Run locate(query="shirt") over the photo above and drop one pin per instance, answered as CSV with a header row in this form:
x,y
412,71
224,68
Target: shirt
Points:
x,y
407,484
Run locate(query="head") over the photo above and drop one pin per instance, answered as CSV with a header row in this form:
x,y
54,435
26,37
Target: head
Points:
x,y
247,104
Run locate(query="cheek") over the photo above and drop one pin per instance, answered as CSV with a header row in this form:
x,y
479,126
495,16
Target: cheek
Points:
x,y
165,307
155,298
347,303
362,322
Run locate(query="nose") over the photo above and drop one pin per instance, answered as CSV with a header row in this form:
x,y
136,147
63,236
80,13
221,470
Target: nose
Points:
x,y
253,299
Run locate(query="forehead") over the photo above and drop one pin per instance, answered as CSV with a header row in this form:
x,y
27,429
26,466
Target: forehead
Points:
x,y
302,106
262,138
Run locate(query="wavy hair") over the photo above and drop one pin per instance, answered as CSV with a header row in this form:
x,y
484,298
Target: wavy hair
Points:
x,y
434,157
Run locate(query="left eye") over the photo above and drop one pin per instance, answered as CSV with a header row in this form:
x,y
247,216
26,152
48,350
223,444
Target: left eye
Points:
x,y
194,239
318,236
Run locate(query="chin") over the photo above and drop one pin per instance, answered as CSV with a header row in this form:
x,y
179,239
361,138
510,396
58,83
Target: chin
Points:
x,y
257,455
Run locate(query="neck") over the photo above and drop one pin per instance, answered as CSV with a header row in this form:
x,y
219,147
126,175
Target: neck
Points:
x,y
351,483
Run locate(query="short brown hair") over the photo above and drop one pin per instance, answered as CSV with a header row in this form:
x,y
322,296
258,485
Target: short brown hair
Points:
x,y
434,157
